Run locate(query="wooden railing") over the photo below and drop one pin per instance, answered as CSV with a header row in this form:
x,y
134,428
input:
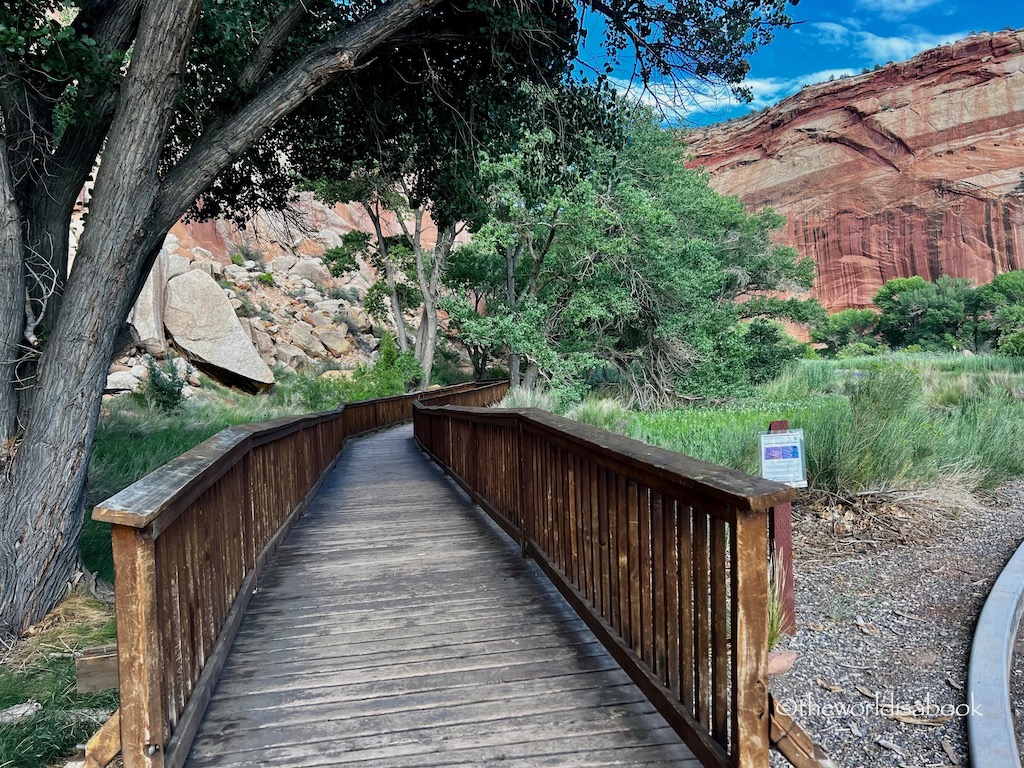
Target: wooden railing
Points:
x,y
664,556
189,542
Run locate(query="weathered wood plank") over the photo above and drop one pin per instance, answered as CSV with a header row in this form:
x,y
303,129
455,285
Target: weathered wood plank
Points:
x,y
405,629
96,669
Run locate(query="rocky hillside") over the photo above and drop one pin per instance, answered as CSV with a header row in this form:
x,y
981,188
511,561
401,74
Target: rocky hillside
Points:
x,y
914,169
236,302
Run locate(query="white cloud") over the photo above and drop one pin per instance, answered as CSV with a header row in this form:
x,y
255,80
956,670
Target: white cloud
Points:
x,y
829,33
895,9
678,104
878,49
901,48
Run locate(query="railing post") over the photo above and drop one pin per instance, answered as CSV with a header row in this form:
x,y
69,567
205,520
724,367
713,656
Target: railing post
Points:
x,y
780,534
522,480
140,669
750,640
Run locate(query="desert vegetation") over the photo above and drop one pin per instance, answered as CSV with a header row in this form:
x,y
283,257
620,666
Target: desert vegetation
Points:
x,y
951,424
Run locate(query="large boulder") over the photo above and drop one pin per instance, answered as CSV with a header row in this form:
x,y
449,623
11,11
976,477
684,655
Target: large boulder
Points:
x,y
306,341
292,357
312,270
146,321
335,340
121,381
200,320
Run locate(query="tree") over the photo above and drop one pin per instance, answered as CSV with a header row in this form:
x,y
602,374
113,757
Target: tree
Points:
x,y
197,118
845,327
931,315
640,268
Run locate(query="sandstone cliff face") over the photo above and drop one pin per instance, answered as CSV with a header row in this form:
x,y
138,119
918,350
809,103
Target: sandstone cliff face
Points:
x,y
915,169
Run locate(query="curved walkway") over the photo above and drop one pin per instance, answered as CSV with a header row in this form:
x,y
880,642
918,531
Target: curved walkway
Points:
x,y
990,732
399,627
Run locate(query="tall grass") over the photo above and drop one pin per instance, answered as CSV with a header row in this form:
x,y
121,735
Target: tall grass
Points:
x,y
898,422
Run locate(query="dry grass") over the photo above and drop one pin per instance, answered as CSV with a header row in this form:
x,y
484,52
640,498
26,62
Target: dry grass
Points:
x,y
39,669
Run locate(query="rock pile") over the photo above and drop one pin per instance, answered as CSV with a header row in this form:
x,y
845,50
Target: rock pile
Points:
x,y
235,320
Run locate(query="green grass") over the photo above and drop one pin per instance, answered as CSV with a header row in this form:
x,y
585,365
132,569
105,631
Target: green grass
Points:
x,y
893,422
132,440
43,671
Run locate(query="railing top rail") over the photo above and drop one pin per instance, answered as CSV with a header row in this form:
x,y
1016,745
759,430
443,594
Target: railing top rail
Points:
x,y
734,488
180,481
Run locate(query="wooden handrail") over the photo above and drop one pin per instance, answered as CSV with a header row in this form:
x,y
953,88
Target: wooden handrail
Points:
x,y
190,540
664,556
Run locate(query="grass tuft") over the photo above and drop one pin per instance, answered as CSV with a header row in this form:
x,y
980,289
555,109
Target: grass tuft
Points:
x,y
41,669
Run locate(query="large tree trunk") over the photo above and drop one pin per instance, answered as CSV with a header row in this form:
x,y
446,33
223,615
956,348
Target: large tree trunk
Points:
x,y
42,489
12,302
397,309
44,456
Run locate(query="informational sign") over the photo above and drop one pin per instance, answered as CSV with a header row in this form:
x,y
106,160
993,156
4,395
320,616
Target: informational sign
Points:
x,y
783,459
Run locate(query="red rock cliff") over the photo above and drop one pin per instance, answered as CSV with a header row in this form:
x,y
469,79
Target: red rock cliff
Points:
x,y
914,169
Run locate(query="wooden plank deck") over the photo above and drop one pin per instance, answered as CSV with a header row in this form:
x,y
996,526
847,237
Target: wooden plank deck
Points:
x,y
398,626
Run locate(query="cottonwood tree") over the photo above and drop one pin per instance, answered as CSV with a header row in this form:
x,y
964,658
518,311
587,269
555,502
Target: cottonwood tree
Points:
x,y
639,272
197,117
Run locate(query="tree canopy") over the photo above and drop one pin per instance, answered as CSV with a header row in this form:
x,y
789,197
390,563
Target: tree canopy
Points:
x,y
637,269
195,106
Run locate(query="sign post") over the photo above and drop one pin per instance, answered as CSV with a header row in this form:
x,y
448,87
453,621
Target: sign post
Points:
x,y
783,459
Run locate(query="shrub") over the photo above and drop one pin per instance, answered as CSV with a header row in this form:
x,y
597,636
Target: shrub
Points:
x,y
520,397
267,278
237,259
163,390
600,412
1012,344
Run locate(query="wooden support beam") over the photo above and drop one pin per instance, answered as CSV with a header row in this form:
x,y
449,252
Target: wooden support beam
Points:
x,y
105,744
96,669
794,743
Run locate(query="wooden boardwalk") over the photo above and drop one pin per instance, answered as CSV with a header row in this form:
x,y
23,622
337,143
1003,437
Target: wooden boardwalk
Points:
x,y
398,626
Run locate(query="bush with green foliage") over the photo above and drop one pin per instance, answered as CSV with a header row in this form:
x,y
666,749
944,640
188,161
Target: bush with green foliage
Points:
x,y
267,278
844,328
163,388
1012,344
863,349
521,397
237,259
600,412
915,311
392,374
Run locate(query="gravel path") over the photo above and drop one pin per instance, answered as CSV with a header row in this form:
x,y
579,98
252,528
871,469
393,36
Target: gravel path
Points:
x,y
885,629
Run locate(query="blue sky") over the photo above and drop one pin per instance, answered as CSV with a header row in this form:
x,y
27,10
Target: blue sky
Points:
x,y
837,37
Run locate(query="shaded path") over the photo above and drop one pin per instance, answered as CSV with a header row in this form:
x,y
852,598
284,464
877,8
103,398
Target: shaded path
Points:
x,y
398,627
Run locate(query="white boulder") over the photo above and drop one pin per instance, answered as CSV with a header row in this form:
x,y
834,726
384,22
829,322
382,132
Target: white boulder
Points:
x,y
200,320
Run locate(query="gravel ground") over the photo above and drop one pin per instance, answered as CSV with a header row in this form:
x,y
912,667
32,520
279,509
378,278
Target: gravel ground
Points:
x,y
886,607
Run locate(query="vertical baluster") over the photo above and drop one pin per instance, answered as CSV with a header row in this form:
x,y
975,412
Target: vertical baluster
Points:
x,y
587,532
635,623
720,683
143,706
670,543
646,608
573,538
622,523
658,583
701,619
612,507
684,531
595,538
749,592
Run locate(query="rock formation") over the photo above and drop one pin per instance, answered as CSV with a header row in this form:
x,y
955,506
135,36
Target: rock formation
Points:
x,y
913,169
202,323
290,309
